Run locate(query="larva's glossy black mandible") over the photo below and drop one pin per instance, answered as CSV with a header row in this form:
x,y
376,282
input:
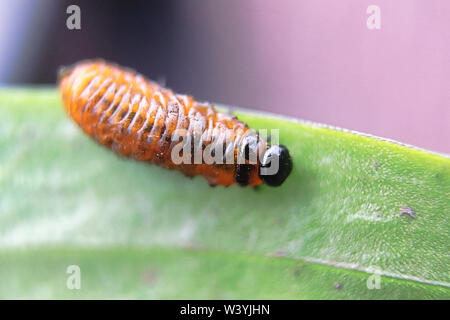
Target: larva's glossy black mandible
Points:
x,y
138,118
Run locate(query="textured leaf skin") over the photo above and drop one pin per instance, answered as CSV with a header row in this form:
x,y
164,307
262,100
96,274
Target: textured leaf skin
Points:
x,y
338,211
141,273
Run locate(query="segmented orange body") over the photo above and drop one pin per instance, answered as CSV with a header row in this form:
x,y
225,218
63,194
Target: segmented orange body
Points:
x,y
135,117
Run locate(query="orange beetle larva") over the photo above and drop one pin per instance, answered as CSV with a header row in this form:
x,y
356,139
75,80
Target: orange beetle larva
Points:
x,y
137,118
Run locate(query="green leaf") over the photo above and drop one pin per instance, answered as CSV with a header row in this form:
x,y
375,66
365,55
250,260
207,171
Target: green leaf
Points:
x,y
65,200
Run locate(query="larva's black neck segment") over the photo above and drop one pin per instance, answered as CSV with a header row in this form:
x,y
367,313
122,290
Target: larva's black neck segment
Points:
x,y
249,148
276,165
242,174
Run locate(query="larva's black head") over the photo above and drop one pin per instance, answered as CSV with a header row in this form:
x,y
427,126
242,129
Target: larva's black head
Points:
x,y
276,165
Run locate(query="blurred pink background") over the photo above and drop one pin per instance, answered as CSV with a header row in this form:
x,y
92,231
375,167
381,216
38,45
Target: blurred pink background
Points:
x,y
317,60
312,59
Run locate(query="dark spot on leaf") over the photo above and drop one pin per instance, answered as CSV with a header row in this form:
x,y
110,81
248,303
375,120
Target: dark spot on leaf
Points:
x,y
148,276
278,253
375,165
407,210
297,270
257,188
337,286
378,212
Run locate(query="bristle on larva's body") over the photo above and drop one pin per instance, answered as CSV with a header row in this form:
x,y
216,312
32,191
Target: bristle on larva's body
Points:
x,y
136,118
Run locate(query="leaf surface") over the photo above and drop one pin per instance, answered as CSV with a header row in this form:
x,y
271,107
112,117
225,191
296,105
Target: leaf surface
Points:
x,y
338,215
